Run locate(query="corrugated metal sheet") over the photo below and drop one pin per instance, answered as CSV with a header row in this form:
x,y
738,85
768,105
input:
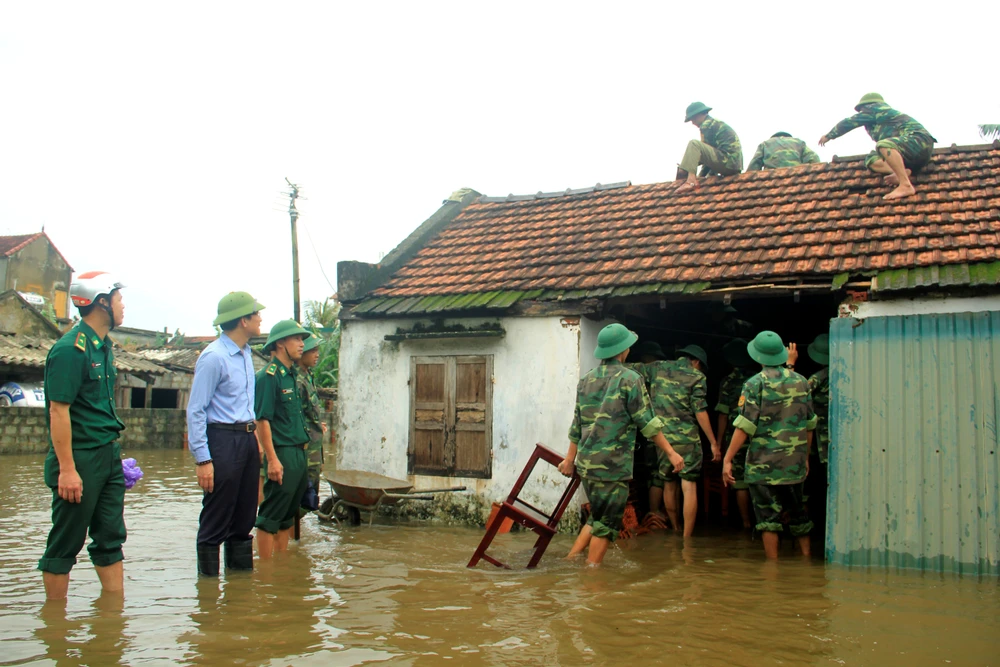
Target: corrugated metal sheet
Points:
x,y
914,464
964,275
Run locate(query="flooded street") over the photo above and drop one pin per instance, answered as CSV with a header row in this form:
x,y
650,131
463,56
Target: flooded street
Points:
x,y
401,595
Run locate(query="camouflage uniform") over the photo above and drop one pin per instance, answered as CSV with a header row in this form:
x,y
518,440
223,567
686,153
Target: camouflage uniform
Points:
x,y
719,151
819,386
611,405
890,129
776,412
729,401
780,152
678,392
314,425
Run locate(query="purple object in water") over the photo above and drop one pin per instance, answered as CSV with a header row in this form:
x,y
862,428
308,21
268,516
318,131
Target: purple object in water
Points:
x,y
132,472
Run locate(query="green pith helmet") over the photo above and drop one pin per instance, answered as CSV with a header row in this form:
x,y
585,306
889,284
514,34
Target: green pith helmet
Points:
x,y
649,348
284,329
695,352
311,344
694,109
819,350
868,98
735,353
780,134
767,349
235,305
613,340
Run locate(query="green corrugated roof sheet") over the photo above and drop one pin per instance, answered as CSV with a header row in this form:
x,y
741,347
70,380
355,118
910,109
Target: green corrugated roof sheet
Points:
x,y
953,275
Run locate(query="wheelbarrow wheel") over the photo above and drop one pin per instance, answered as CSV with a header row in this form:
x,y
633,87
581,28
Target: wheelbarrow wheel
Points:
x,y
325,509
344,513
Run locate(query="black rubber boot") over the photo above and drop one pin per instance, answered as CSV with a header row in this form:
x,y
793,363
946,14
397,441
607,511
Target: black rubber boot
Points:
x,y
239,554
208,560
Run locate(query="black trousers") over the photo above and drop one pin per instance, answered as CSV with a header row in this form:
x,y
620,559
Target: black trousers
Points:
x,y
229,512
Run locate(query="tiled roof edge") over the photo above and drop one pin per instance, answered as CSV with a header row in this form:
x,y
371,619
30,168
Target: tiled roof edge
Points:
x,y
954,148
568,192
983,274
356,279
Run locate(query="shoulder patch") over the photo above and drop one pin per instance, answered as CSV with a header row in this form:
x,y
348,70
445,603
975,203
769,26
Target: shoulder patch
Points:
x,y
271,369
743,399
81,342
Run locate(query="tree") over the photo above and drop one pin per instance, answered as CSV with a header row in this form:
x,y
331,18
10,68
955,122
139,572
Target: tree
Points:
x,y
990,131
323,320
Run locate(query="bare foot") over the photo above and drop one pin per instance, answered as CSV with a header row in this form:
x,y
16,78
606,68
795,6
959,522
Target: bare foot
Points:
x,y
892,180
687,186
900,192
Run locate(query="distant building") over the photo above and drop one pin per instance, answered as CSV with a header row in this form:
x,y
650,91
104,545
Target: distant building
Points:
x,y
19,316
32,265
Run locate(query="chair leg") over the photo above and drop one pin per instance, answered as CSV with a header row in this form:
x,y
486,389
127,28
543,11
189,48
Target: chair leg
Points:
x,y
484,544
540,546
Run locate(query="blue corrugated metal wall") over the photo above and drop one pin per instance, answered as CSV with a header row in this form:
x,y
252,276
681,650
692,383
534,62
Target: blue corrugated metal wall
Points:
x,y
913,418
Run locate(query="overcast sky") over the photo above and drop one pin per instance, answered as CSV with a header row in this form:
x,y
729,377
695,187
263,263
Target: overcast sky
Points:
x,y
153,139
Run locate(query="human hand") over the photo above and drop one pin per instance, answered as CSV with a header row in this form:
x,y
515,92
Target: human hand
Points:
x,y
823,140
206,477
677,460
324,427
793,354
716,452
70,486
727,474
275,471
566,467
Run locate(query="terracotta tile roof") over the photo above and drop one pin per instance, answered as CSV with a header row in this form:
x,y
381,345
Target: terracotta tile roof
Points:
x,y
813,221
11,244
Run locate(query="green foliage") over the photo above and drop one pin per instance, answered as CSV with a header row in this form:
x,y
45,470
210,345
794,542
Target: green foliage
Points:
x,y
323,320
990,131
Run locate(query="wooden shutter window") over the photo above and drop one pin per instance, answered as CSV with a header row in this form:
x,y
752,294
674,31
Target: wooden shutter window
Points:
x,y
451,416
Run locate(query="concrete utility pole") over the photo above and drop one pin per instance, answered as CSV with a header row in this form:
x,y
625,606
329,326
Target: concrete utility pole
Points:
x,y
294,214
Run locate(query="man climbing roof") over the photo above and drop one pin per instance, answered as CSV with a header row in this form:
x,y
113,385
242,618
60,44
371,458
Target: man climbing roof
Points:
x,y
718,152
902,145
781,150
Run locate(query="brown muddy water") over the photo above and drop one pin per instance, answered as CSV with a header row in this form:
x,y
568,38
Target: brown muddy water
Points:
x,y
401,595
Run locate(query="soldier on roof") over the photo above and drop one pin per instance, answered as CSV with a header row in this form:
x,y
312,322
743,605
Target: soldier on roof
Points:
x,y
611,405
83,467
780,151
902,145
718,152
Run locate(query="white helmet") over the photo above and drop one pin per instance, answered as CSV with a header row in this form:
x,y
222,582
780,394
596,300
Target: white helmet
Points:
x,y
90,285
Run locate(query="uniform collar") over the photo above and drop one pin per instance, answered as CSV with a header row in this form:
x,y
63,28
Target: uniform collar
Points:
x,y
281,368
92,336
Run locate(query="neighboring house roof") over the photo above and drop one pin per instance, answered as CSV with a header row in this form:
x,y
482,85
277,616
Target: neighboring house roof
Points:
x,y
11,244
44,321
820,223
30,352
182,359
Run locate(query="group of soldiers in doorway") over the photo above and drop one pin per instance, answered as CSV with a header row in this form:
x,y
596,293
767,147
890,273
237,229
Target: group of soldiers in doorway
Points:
x,y
902,146
239,423
773,418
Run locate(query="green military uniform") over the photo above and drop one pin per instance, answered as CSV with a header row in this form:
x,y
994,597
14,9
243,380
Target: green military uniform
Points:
x,y
782,151
719,151
819,387
314,424
775,412
80,371
889,129
729,400
678,392
277,400
611,405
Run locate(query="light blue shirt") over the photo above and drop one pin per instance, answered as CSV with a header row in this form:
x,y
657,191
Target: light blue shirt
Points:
x,y
222,392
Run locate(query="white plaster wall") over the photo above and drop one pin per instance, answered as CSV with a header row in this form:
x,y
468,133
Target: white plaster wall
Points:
x,y
927,306
536,367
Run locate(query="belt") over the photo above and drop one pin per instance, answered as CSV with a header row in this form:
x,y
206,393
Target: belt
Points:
x,y
243,427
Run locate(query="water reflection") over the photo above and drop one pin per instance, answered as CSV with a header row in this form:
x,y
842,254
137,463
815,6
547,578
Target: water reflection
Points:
x,y
400,595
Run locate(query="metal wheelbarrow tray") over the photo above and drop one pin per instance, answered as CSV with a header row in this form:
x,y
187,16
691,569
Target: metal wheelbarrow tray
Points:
x,y
355,491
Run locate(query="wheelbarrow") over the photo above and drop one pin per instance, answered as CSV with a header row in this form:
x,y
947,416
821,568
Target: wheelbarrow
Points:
x,y
355,491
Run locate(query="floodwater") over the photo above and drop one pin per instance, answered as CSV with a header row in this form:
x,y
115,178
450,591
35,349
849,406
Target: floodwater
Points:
x,y
401,595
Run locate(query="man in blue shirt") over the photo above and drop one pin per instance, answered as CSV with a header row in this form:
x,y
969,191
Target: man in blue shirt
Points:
x,y
220,418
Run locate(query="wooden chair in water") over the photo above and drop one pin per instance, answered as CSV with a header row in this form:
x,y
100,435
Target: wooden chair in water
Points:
x,y
526,515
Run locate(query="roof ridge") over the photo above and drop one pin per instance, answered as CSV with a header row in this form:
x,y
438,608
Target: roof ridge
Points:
x,y
568,192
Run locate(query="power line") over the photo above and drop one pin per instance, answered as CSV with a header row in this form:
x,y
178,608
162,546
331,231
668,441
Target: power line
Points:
x,y
318,260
